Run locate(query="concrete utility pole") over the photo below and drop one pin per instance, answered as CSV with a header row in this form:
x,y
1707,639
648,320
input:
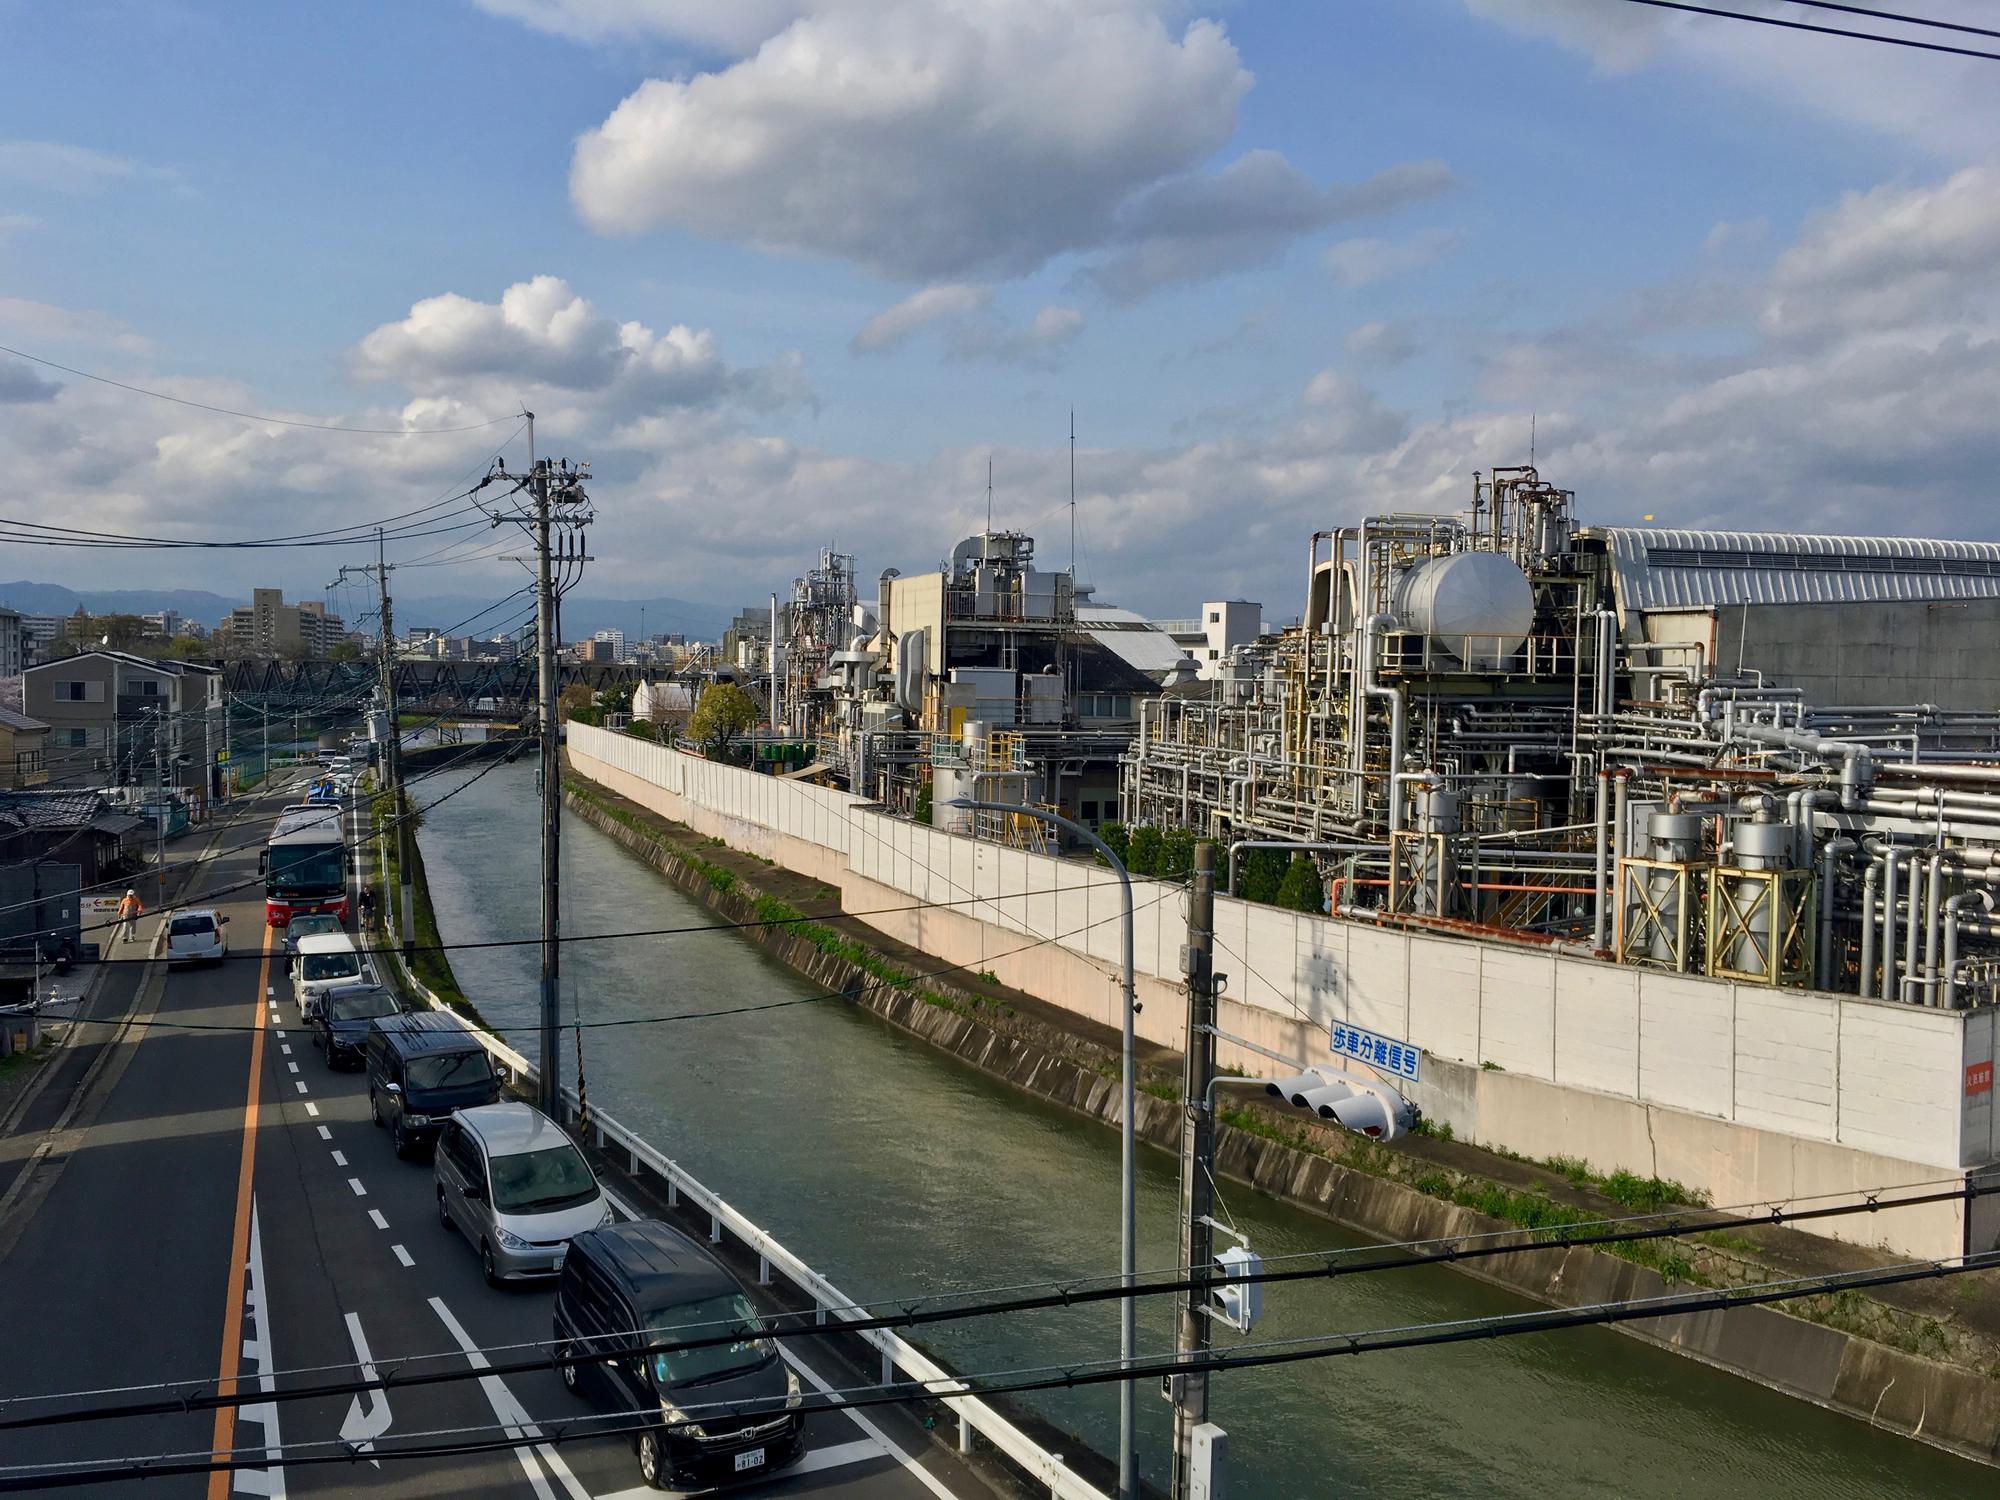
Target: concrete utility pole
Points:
x,y
399,801
1197,1160
160,799
556,492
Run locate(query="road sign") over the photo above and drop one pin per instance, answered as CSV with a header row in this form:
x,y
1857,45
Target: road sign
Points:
x,y
1383,1053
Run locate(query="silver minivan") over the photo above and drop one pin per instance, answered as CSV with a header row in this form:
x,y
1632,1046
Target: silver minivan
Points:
x,y
516,1187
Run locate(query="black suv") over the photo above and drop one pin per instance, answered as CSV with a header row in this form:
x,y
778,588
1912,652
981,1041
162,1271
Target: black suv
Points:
x,y
421,1067
346,1014
727,1411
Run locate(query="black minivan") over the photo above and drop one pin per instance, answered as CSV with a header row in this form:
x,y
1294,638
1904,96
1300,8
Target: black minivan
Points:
x,y
628,1285
421,1067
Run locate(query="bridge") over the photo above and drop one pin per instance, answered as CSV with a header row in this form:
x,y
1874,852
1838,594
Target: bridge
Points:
x,y
470,689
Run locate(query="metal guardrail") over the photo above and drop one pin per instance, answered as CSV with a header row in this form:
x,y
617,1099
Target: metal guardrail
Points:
x,y
899,1356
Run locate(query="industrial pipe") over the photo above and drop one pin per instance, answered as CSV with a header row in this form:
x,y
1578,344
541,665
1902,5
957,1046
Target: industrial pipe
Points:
x,y
1951,928
1600,921
1869,885
1857,770
1829,856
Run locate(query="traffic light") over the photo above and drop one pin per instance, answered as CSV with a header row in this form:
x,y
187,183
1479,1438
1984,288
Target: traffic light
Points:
x,y
1232,1299
1354,1103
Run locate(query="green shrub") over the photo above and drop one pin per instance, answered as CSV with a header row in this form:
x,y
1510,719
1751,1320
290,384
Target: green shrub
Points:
x,y
1259,874
1117,839
1302,889
1143,851
1176,854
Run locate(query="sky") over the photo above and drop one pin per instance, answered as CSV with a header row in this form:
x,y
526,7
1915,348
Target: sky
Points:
x,y
791,274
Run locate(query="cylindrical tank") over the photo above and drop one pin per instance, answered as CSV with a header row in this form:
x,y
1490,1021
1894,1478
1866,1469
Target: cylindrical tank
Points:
x,y
1437,811
1476,605
1752,902
1676,838
1764,846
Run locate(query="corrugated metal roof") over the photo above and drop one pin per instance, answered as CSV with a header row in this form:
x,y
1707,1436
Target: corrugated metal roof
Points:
x,y
1130,635
1668,568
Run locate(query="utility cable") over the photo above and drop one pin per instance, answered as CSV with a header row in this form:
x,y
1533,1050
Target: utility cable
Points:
x,y
1907,20
71,1473
251,416
1858,36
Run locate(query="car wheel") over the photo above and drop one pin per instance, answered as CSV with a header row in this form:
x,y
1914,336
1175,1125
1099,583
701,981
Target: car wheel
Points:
x,y
653,1460
327,1045
399,1140
572,1375
374,1106
444,1213
492,1272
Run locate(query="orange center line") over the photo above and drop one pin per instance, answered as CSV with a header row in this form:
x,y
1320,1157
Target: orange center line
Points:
x,y
239,1243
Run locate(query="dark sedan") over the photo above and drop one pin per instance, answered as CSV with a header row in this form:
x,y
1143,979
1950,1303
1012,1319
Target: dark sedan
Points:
x,y
345,1014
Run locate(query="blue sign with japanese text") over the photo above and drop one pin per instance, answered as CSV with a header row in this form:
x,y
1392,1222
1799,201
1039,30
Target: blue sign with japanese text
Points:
x,y
1383,1053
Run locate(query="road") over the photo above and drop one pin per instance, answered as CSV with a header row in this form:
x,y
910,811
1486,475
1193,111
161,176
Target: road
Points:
x,y
116,1269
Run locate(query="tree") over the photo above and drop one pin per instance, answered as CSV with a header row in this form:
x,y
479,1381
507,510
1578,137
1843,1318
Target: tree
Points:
x,y
724,712
1302,889
1262,872
1176,854
187,648
344,651
577,702
1117,840
1142,854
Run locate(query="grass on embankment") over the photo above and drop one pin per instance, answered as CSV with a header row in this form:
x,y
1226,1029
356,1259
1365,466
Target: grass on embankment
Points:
x,y
429,963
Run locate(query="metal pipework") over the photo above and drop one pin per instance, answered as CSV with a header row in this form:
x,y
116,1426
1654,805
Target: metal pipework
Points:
x,y
1952,908
1857,769
1831,855
1351,847
1370,688
1600,921
1869,885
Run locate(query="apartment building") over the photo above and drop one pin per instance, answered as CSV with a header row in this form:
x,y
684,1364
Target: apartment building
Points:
x,y
267,626
111,717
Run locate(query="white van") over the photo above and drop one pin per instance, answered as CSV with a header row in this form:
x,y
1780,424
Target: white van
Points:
x,y
325,959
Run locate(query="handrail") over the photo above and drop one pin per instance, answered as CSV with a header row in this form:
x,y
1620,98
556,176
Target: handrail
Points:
x,y
898,1354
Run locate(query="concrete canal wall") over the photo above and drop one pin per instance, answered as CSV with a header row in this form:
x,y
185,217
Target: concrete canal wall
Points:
x,y
1750,1094
1954,1405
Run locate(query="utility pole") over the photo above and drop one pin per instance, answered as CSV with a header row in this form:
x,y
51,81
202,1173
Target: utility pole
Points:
x,y
556,495
160,800
399,804
1197,1161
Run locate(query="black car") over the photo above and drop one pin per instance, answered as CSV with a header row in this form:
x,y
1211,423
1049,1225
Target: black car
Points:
x,y
346,1015
728,1411
422,1065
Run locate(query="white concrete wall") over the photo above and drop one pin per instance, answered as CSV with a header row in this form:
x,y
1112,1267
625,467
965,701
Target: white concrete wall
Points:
x,y
1748,1092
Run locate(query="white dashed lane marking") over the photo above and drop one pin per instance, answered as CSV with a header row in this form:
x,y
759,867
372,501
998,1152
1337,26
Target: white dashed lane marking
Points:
x,y
311,1109
302,1087
359,1190
340,1158
375,1214
291,1066
325,1134
402,1255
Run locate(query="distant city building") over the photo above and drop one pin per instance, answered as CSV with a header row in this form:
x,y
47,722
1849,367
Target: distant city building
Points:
x,y
267,626
1221,627
616,640
13,644
37,631
601,651
166,621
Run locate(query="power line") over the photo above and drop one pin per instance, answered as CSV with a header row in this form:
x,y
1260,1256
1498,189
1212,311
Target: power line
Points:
x,y
1890,15
1332,1265
1858,36
71,1473
251,416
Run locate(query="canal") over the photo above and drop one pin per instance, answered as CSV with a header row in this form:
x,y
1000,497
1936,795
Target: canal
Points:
x,y
893,1168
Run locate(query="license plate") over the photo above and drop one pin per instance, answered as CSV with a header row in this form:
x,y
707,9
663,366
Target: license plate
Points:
x,y
753,1459
556,1260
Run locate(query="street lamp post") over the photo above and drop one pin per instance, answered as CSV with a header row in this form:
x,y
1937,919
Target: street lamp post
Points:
x,y
1128,1312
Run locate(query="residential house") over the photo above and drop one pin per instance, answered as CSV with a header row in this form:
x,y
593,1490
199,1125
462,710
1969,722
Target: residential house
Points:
x,y
23,750
112,717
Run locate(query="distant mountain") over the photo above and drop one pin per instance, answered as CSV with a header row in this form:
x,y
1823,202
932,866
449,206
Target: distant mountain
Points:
x,y
54,599
581,617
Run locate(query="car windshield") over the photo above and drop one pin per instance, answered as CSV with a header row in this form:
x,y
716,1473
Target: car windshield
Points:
x,y
363,1005
702,1319
305,927
330,965
448,1070
191,926
307,869
536,1182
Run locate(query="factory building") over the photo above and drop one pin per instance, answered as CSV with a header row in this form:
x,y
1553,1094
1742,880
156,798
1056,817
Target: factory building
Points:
x,y
1768,758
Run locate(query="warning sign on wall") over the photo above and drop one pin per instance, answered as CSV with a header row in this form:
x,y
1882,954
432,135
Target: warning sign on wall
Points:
x,y
1978,1078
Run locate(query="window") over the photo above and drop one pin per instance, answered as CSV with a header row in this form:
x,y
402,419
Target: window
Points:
x,y
27,761
534,1182
331,966
706,1318
1212,653
1089,811
79,739
70,692
1215,617
149,688
443,1070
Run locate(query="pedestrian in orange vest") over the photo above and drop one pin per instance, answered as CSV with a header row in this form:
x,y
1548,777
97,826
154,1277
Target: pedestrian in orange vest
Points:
x,y
129,912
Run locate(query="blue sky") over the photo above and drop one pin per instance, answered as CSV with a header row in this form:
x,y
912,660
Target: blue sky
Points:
x,y
1734,274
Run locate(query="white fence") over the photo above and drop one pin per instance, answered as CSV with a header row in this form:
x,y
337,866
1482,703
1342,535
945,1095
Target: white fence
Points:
x,y
1871,1077
900,1358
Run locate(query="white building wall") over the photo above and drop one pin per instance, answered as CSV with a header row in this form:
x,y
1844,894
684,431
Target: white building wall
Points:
x,y
1749,1092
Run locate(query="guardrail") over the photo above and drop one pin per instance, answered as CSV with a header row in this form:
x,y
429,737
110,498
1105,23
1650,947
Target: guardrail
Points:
x,y
898,1354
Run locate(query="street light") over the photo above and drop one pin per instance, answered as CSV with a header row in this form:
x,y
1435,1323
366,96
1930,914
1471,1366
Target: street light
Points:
x,y
1128,1484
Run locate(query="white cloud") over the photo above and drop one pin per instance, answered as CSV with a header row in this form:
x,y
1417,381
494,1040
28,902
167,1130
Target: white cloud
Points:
x,y
894,325
1360,262
1198,225
1381,343
921,139
42,321
733,26
542,335
71,169
1943,103
1055,325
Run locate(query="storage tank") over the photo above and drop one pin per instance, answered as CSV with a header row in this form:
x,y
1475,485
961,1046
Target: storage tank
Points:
x,y
1476,605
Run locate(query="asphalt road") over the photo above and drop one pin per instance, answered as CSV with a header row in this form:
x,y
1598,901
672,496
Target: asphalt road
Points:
x,y
117,1270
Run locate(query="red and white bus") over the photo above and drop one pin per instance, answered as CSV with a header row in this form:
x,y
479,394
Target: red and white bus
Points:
x,y
305,865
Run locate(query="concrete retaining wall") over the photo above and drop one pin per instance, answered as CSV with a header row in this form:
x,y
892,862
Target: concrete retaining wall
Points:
x,y
1748,1093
